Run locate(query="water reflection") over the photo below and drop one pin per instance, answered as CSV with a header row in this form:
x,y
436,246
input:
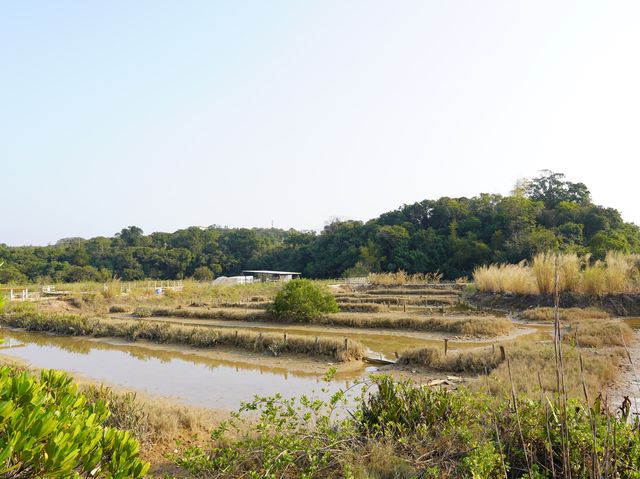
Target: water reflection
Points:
x,y
187,377
378,343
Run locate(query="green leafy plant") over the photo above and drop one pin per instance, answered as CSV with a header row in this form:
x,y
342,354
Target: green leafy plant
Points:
x,y
48,429
302,300
401,430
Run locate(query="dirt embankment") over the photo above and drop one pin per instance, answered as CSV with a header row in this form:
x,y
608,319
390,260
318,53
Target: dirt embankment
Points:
x,y
616,304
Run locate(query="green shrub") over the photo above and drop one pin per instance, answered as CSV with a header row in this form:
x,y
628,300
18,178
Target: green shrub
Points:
x,y
202,273
420,432
302,300
48,429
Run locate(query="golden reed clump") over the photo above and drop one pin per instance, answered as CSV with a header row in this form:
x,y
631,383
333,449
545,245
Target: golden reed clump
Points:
x,y
618,273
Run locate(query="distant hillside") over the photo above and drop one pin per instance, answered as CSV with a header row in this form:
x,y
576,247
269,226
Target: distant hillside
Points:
x,y
450,235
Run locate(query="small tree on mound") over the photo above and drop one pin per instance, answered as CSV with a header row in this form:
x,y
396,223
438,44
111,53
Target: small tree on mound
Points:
x,y
302,300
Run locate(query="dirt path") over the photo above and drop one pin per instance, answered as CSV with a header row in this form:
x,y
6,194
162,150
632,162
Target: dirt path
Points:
x,y
628,382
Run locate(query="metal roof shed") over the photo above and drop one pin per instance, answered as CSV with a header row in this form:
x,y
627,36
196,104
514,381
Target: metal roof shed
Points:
x,y
268,275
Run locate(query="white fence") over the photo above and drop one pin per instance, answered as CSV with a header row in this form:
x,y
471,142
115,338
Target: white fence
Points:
x,y
20,294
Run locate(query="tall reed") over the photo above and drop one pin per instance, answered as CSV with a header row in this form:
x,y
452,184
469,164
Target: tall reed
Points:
x,y
618,273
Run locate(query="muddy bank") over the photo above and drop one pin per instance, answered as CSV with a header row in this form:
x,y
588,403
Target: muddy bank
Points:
x,y
616,304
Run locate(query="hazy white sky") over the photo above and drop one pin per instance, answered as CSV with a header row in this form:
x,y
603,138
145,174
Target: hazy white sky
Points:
x,y
166,114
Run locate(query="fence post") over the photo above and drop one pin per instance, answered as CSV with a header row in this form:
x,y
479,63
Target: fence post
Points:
x,y
346,344
446,346
503,354
285,340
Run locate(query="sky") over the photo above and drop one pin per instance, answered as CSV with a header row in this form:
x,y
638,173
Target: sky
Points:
x,y
165,114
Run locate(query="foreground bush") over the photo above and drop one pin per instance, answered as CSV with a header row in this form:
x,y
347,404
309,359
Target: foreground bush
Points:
x,y
302,300
49,430
404,431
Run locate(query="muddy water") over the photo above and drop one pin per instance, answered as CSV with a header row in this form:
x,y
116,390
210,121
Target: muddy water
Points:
x,y
187,378
632,321
190,377
379,343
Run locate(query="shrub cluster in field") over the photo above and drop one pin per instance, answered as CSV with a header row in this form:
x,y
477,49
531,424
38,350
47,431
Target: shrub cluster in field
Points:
x,y
403,431
50,430
302,300
619,273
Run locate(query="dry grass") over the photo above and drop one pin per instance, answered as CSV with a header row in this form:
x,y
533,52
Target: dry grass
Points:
x,y
149,421
487,326
597,333
464,325
428,292
398,300
530,359
360,307
229,314
566,314
474,362
402,278
619,273
505,278
71,325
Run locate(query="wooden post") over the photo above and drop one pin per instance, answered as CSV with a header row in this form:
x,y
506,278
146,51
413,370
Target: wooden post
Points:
x,y
503,354
285,339
446,346
404,306
346,344
493,347
317,344
236,340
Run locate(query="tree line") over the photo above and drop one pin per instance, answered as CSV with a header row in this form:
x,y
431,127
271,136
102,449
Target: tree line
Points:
x,y
448,235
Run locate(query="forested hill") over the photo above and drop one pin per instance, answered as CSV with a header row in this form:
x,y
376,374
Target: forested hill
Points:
x,y
450,235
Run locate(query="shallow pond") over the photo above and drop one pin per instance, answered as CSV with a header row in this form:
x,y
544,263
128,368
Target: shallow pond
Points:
x,y
188,378
378,343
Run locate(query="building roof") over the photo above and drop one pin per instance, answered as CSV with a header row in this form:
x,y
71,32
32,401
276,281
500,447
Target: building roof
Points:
x,y
264,271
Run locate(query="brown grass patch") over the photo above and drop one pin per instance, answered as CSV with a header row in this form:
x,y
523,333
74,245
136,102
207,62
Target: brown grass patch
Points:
x,y
475,362
596,333
528,360
566,314
465,325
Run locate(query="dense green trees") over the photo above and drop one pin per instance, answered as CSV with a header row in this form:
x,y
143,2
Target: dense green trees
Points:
x,y
450,235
